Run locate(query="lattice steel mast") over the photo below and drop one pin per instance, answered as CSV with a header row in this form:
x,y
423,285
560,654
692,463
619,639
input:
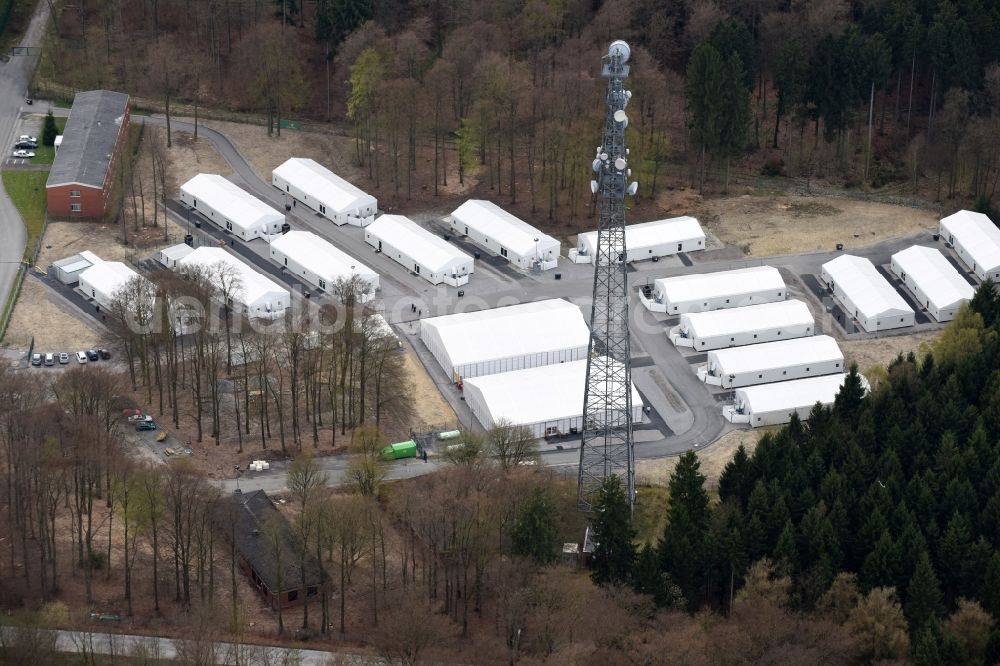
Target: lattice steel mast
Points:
x,y
606,443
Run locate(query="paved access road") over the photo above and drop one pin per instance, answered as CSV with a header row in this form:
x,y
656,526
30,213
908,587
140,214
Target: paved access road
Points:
x,y
14,77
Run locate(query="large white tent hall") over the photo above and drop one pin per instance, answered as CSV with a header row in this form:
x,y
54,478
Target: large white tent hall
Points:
x,y
778,361
255,295
648,240
320,263
104,280
773,404
702,292
418,250
865,294
310,183
491,227
932,280
470,344
749,325
547,399
976,241
230,207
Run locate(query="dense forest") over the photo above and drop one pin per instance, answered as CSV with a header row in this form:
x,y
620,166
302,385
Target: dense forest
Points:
x,y
891,95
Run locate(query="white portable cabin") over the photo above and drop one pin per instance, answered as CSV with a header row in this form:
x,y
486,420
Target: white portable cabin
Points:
x,y
257,296
471,344
103,280
768,362
318,262
230,207
932,280
310,183
773,404
865,294
68,270
647,240
976,241
418,250
749,325
714,291
547,399
169,256
494,229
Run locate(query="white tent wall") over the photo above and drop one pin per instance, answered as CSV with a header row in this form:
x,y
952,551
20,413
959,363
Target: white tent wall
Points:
x,y
773,404
231,208
313,185
387,240
301,252
789,322
646,240
932,280
701,293
259,297
848,286
976,241
103,281
773,362
501,233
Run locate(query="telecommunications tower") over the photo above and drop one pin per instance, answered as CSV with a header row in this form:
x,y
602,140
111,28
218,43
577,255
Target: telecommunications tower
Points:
x,y
606,443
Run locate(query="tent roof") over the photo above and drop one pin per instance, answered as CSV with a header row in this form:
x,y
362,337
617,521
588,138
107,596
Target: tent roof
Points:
x,y
792,395
317,255
528,328
253,285
108,277
509,231
322,184
231,201
426,249
658,232
779,354
724,283
871,293
747,318
537,395
175,252
935,276
977,234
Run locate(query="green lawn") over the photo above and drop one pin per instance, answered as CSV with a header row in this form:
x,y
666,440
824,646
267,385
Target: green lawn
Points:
x,y
27,191
46,154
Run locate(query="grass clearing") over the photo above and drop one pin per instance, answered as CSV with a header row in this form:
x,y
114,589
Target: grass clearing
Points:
x,y
47,154
27,190
649,516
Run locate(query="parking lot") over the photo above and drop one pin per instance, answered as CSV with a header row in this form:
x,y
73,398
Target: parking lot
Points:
x,y
27,124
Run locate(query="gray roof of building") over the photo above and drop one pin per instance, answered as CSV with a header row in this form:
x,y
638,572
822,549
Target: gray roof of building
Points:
x,y
89,138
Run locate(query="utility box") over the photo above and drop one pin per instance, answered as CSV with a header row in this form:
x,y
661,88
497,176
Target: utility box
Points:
x,y
399,450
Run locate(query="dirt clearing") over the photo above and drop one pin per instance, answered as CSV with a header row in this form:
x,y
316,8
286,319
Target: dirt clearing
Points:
x,y
430,408
713,459
56,325
187,158
774,225
882,351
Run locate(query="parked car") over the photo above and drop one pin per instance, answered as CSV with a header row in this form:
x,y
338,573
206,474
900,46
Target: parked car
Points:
x,y
138,418
28,145
50,360
26,137
81,357
145,425
104,353
63,358
36,360
92,355
23,153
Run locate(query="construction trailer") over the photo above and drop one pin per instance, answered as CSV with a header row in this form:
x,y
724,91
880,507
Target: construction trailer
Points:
x,y
768,362
252,294
748,325
419,251
865,295
169,256
648,240
318,262
486,342
702,292
774,404
976,241
500,233
311,184
229,207
935,284
547,399
103,281
68,270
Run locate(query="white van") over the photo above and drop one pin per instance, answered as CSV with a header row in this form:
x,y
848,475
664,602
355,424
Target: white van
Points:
x,y
81,357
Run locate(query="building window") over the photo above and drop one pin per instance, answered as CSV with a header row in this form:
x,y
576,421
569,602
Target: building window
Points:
x,y
75,208
74,193
312,591
229,225
293,595
322,284
503,251
322,209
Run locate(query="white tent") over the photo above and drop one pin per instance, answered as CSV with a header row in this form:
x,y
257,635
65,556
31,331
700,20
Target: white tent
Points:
x,y
749,325
103,280
865,294
932,280
491,227
257,296
318,262
773,404
230,207
649,240
976,240
311,184
713,291
486,342
778,361
419,250
547,399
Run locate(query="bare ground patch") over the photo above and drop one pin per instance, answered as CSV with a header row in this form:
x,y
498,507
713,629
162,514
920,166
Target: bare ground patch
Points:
x,y
776,225
430,408
882,351
55,324
713,459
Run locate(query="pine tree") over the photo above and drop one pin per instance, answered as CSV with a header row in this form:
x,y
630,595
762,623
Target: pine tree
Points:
x,y
786,553
926,651
736,481
49,131
923,594
991,585
535,533
880,566
611,524
683,548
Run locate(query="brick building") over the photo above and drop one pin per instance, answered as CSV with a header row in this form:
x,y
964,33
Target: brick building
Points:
x,y
82,175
